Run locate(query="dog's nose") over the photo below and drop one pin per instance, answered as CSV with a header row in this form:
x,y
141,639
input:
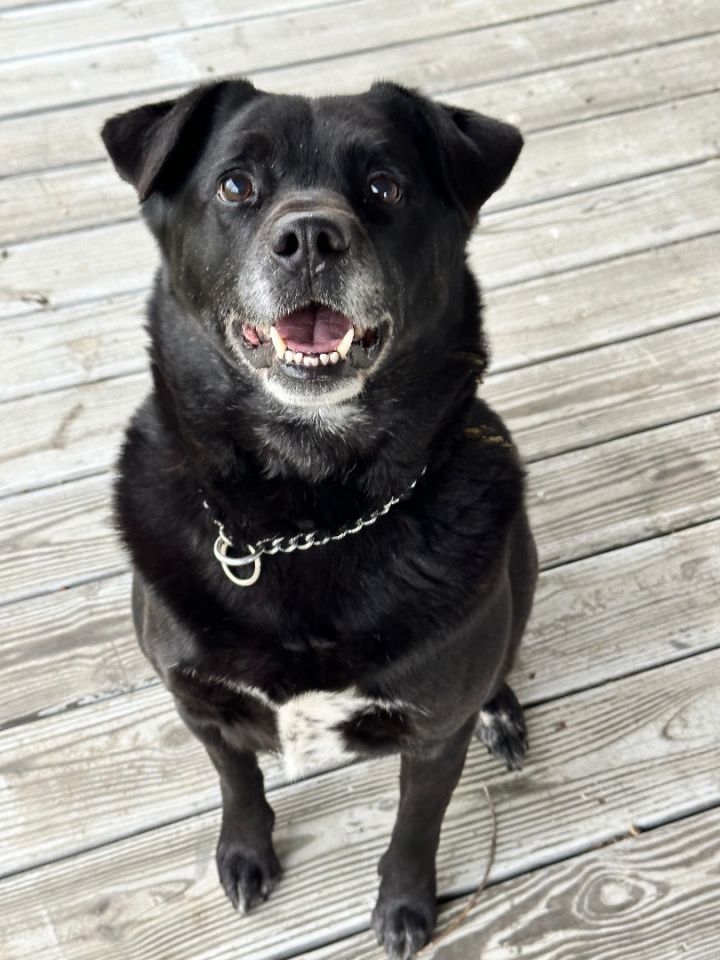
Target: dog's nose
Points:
x,y
313,240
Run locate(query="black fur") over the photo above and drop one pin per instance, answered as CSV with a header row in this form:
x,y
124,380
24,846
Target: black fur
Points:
x,y
422,611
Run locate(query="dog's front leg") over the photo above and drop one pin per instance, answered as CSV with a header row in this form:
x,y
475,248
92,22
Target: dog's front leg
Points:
x,y
406,908
247,864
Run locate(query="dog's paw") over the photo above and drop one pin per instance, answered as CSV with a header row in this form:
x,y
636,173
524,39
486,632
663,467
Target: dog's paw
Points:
x,y
501,727
246,875
403,927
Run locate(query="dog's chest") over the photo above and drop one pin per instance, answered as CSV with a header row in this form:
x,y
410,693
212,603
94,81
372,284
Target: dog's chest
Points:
x,y
310,729
318,729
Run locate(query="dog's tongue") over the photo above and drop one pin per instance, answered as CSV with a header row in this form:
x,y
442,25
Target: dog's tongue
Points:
x,y
313,329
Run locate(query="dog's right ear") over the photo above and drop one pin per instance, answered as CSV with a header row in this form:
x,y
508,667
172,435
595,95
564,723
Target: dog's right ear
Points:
x,y
154,145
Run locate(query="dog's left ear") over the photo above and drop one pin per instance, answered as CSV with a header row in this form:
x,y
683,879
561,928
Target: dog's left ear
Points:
x,y
470,153
479,153
154,145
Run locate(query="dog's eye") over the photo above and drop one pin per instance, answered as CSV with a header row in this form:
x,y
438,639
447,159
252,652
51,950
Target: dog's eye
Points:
x,y
237,188
381,186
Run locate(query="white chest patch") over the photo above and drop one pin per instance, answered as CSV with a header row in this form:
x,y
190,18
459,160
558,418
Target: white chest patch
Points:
x,y
308,725
308,729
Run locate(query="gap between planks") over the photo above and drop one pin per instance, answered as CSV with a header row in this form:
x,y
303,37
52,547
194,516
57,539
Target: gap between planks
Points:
x,y
114,250
656,892
586,783
82,194
662,378
140,732
117,22
436,68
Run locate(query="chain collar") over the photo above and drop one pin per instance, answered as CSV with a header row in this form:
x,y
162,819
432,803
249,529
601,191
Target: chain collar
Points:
x,y
301,541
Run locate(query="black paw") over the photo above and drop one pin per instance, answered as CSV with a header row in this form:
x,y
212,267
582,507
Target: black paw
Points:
x,y
501,727
403,927
247,876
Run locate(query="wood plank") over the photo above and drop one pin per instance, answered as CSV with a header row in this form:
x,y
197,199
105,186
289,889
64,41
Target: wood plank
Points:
x,y
58,537
656,892
38,28
69,649
610,301
535,240
90,193
68,434
610,391
583,616
51,349
118,258
581,502
152,62
512,245
627,387
630,489
156,895
604,302
532,51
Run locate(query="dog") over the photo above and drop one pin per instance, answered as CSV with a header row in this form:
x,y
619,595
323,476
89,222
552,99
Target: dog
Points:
x,y
332,557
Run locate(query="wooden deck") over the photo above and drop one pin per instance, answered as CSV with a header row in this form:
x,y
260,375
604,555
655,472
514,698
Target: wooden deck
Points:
x,y
601,264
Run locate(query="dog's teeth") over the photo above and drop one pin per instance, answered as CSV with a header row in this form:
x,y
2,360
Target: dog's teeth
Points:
x,y
334,357
310,361
278,342
324,358
298,357
289,356
344,345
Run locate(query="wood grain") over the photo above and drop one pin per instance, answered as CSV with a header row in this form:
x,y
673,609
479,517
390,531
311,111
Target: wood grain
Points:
x,y
602,303
69,649
612,300
580,503
157,895
90,193
655,894
512,245
42,28
603,393
588,617
262,43
629,489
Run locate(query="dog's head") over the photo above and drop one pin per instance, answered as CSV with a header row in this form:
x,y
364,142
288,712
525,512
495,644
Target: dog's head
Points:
x,y
320,240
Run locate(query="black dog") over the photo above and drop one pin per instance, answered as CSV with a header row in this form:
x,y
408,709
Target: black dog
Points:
x,y
316,346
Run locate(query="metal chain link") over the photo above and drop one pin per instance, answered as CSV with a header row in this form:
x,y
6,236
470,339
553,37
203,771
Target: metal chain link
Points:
x,y
300,541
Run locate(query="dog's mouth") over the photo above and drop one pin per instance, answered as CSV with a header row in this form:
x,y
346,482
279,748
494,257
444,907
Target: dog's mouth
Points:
x,y
313,342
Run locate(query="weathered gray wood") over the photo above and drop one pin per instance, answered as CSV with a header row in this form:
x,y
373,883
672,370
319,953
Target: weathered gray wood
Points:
x,y
74,345
53,538
39,28
511,245
625,490
581,502
600,394
86,74
535,240
654,895
156,895
628,387
262,43
69,649
621,612
611,301
440,66
605,302
66,434
90,193
588,617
